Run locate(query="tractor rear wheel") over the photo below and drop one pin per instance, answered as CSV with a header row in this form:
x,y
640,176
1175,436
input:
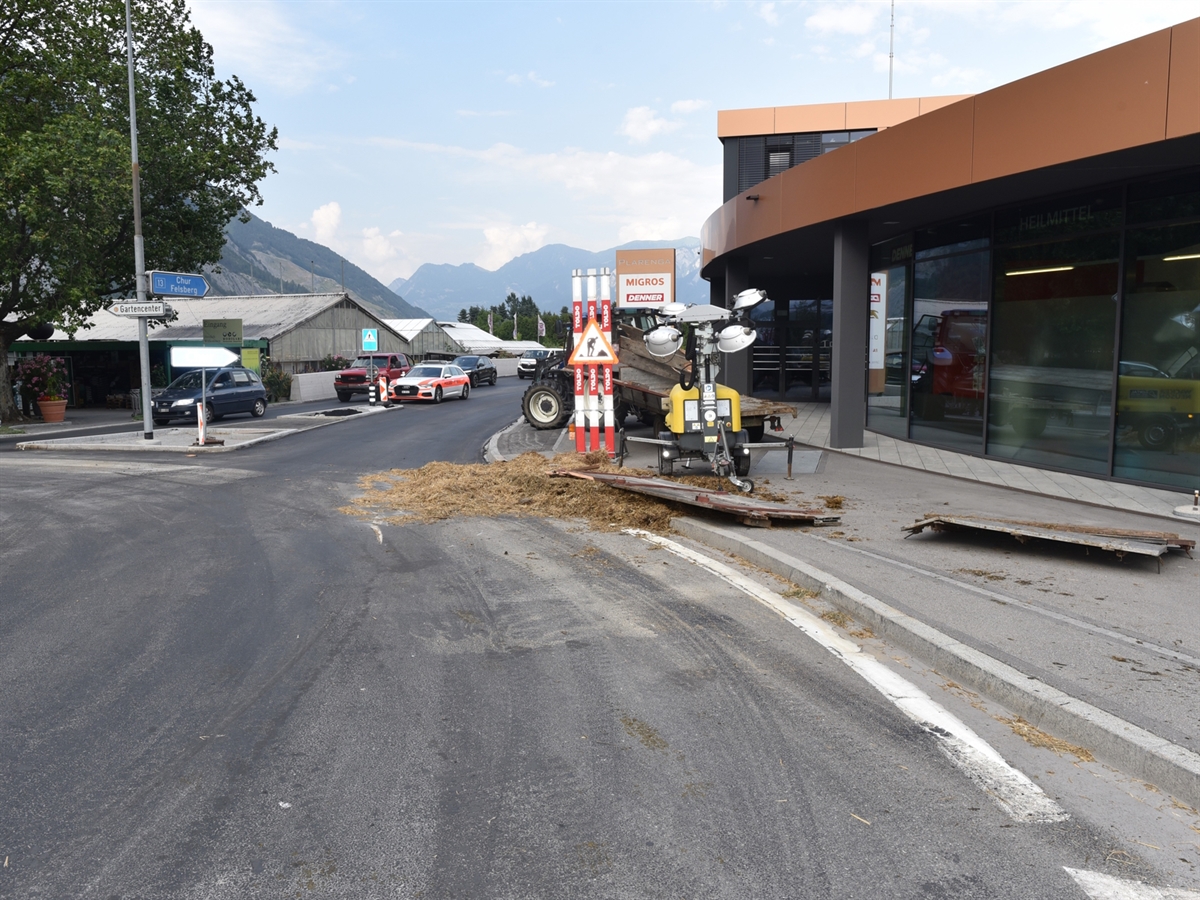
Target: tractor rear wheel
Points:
x,y
544,406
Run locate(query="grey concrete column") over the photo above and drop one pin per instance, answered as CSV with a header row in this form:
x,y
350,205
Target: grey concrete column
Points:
x,y
736,368
851,303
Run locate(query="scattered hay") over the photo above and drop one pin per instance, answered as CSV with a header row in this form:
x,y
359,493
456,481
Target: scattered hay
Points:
x,y
837,617
519,487
832,501
983,573
799,593
1038,738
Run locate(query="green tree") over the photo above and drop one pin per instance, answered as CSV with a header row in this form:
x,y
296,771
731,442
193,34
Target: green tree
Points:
x,y
66,218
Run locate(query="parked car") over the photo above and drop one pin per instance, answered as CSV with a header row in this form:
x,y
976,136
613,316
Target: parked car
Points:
x,y
528,362
229,390
431,381
479,368
353,380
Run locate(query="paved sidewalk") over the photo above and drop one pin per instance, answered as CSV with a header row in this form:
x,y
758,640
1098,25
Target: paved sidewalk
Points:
x,y
811,427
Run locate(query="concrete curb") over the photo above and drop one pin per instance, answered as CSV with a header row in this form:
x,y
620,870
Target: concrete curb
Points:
x,y
491,449
1136,751
81,444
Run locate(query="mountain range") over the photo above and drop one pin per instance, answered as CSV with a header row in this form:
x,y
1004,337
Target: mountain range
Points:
x,y
543,274
261,259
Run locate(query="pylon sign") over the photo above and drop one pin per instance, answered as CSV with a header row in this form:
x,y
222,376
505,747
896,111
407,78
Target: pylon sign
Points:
x,y
593,348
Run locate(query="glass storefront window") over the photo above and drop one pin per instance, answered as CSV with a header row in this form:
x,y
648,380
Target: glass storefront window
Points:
x,y
1177,197
949,350
1095,211
765,351
888,371
1158,384
1053,330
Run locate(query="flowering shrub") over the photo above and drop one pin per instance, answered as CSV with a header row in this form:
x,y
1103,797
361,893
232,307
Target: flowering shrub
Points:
x,y
43,376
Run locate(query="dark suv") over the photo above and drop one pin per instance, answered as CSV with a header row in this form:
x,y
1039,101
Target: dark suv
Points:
x,y
479,368
229,390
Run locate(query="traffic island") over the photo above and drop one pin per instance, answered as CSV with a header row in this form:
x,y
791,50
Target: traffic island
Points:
x,y
166,440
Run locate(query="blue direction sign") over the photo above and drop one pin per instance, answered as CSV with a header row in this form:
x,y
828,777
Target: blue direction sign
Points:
x,y
370,339
177,284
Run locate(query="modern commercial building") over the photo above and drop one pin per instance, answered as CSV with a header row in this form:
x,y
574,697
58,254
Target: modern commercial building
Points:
x,y
1014,274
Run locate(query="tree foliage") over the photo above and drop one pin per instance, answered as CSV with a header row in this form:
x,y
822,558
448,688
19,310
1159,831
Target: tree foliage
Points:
x,y
526,313
66,217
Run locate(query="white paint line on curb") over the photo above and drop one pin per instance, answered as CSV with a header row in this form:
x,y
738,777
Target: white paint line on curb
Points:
x,y
1016,601
1105,887
1133,749
491,451
1023,800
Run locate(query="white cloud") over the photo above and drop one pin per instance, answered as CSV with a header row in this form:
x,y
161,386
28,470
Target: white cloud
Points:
x,y
650,196
529,78
259,43
326,220
642,123
506,241
1108,21
379,247
766,12
685,107
842,18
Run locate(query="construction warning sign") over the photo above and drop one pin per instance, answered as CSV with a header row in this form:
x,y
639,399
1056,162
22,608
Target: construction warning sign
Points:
x,y
592,348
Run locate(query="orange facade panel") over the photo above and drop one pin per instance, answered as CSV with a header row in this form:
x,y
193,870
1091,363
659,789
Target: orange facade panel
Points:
x,y
1183,95
813,117
759,219
819,190
1108,101
881,113
915,158
735,122
929,104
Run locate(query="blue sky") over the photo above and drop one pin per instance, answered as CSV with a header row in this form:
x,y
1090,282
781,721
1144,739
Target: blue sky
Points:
x,y
472,132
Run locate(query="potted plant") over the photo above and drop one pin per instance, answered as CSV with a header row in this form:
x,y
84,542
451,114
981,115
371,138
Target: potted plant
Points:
x,y
46,378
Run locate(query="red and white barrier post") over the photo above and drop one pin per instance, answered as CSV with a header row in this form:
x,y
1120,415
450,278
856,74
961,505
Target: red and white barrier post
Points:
x,y
593,375
580,382
606,325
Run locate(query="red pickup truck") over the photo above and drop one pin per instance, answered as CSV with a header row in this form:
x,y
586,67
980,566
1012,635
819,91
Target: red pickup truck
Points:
x,y
353,380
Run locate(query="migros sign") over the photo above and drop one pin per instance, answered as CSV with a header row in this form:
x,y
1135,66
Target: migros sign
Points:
x,y
646,278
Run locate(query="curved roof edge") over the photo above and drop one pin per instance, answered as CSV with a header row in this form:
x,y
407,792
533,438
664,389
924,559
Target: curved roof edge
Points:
x,y
1141,92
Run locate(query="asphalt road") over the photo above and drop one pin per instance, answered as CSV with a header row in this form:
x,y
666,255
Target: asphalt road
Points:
x,y
217,685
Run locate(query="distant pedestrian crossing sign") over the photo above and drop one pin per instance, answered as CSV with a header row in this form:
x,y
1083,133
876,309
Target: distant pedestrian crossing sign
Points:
x,y
370,339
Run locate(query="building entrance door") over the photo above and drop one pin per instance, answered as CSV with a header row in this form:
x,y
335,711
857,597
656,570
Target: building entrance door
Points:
x,y
792,356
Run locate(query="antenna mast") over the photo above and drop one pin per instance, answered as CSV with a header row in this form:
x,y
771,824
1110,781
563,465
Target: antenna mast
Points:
x,y
891,48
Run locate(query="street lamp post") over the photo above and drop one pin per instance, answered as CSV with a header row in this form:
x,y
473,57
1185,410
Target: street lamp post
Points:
x,y
139,254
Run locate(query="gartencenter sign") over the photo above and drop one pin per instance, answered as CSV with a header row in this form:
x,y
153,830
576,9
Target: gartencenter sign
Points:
x,y
645,278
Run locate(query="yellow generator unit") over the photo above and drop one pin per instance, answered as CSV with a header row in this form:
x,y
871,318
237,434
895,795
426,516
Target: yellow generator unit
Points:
x,y
687,412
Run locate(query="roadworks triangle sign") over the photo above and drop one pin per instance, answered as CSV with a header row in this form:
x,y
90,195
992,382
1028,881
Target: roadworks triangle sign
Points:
x,y
593,348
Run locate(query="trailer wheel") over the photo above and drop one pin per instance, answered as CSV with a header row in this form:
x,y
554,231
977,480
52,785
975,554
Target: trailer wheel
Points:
x,y
544,407
741,463
1157,434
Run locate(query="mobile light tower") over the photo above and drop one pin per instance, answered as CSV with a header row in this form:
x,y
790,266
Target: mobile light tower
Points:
x,y
705,418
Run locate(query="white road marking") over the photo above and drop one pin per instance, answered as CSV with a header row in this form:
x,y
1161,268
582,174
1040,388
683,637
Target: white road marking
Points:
x,y
378,533
1023,800
1015,601
1105,887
